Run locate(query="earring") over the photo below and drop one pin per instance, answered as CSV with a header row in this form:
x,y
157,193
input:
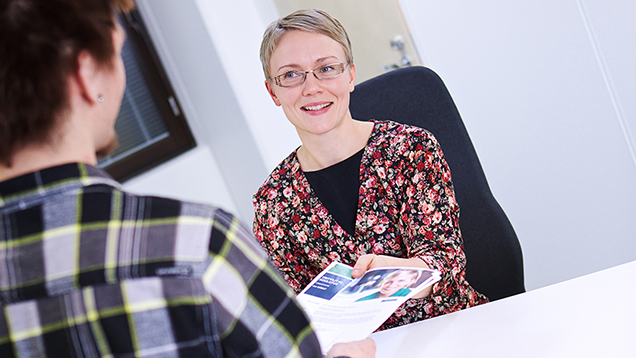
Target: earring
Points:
x,y
100,99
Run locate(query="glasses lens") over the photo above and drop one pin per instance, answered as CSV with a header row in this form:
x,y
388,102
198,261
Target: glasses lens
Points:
x,y
329,71
291,78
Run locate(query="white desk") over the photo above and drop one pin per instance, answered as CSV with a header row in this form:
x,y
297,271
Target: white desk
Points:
x,y
590,316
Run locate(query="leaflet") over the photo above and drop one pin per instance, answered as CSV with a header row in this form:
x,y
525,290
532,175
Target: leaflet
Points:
x,y
344,309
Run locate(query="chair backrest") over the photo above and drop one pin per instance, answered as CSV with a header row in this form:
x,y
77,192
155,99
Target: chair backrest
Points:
x,y
417,96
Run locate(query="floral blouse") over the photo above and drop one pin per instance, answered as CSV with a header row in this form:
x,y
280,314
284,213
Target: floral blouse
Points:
x,y
406,208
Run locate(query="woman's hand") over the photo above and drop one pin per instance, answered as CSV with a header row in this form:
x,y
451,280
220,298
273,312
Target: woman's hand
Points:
x,y
357,349
367,262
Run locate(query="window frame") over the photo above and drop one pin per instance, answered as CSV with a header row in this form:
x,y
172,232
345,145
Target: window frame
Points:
x,y
180,138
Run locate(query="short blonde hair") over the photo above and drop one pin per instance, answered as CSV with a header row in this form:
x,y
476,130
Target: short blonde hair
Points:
x,y
312,20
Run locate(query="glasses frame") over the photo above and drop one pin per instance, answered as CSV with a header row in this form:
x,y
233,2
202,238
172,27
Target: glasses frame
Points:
x,y
277,79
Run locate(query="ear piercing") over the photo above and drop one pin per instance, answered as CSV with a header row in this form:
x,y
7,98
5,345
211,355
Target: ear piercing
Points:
x,y
100,99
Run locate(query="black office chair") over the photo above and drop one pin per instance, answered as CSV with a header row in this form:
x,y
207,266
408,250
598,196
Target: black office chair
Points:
x,y
417,96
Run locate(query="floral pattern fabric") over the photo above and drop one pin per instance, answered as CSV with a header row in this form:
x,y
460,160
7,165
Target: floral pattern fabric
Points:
x,y
406,208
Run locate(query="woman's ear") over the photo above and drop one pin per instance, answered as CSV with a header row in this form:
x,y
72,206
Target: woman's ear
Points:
x,y
270,90
352,82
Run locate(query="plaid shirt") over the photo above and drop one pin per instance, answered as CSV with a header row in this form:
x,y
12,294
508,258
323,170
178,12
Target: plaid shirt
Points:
x,y
88,270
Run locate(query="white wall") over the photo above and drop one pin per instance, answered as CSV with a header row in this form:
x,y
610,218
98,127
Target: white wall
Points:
x,y
546,89
194,176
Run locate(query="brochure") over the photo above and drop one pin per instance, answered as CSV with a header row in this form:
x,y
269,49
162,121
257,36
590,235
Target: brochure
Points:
x,y
344,309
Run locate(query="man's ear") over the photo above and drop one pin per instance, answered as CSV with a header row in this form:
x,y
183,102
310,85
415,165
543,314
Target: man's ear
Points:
x,y
87,77
270,90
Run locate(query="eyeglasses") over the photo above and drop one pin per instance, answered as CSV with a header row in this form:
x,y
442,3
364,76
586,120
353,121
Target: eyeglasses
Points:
x,y
295,78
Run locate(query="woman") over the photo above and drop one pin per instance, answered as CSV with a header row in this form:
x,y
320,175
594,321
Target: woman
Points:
x,y
369,194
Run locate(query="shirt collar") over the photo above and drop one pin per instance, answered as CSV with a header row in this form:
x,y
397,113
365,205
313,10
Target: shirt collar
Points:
x,y
46,181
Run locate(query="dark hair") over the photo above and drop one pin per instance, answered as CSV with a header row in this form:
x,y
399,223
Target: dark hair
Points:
x,y
40,41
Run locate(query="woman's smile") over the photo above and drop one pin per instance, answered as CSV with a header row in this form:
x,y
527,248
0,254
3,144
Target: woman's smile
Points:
x,y
316,109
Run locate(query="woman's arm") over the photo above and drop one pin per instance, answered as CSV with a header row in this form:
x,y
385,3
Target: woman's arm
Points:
x,y
427,213
430,219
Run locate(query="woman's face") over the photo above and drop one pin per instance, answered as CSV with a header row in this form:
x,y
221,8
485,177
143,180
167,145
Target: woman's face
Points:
x,y
316,106
393,284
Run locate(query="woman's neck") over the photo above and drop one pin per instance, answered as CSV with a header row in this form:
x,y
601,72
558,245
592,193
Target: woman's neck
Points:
x,y
319,152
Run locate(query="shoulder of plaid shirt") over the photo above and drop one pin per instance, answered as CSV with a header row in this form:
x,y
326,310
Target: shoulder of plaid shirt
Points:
x,y
89,270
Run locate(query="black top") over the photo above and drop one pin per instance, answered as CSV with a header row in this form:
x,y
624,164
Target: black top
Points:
x,y
338,188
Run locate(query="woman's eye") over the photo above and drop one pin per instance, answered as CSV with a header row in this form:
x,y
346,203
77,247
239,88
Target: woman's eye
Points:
x,y
326,69
291,74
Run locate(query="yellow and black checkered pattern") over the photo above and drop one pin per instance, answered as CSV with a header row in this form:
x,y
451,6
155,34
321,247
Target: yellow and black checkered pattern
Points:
x,y
89,270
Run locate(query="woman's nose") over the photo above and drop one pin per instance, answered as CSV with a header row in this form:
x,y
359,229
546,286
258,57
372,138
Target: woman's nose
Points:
x,y
311,85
